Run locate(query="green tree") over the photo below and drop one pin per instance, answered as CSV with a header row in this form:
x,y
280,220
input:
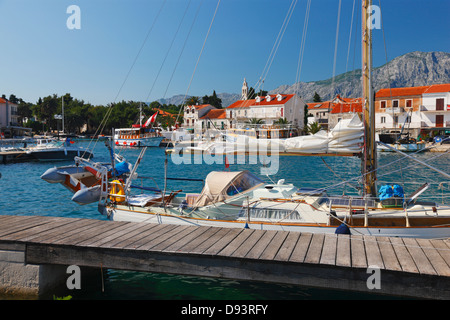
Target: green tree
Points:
x,y
255,121
192,101
281,121
252,95
213,100
313,128
24,110
316,97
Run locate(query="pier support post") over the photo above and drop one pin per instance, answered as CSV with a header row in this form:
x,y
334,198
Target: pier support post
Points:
x,y
19,280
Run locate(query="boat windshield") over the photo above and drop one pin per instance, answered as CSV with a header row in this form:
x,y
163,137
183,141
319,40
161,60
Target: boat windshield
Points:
x,y
221,185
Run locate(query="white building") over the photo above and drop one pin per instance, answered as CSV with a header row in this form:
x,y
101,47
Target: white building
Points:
x,y
419,109
435,108
192,114
8,113
270,108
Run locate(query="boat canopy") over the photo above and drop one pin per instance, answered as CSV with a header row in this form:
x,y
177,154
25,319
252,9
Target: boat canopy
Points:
x,y
221,185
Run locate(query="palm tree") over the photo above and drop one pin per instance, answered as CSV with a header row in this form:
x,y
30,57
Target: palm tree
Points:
x,y
313,128
281,121
255,121
192,101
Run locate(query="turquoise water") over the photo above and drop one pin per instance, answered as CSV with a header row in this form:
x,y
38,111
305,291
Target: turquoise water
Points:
x,y
24,193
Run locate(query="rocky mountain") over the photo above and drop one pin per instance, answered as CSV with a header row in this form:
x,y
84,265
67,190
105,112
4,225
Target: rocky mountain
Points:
x,y
411,69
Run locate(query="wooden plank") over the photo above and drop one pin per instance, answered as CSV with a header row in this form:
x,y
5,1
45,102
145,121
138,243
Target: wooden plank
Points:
x,y
162,237
442,249
5,220
212,238
136,234
343,255
421,260
21,223
60,238
373,254
358,252
388,254
434,257
46,236
301,248
315,248
112,234
328,255
171,237
236,243
30,233
92,228
98,233
226,239
272,249
403,256
178,246
206,233
8,221
284,253
143,238
256,251
151,237
251,241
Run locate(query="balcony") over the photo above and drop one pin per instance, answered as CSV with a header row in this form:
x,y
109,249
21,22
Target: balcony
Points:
x,y
394,110
431,109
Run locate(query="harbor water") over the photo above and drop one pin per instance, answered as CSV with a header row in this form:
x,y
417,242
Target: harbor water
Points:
x,y
24,193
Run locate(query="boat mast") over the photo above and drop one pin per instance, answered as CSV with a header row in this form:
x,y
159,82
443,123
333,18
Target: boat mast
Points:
x,y
370,155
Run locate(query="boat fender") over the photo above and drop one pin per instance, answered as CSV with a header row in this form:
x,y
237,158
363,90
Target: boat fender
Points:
x,y
342,229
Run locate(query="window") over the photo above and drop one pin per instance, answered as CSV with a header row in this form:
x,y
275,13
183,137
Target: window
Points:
x,y
409,103
383,104
383,119
394,103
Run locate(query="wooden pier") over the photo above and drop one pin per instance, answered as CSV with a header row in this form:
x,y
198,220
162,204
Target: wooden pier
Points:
x,y
15,156
407,267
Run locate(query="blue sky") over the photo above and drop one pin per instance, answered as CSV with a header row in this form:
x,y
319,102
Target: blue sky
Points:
x,y
41,56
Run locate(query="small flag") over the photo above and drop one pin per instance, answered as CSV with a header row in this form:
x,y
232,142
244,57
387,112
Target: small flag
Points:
x,y
151,119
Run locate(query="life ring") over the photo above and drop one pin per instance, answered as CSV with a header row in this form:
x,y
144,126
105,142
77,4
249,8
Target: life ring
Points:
x,y
117,193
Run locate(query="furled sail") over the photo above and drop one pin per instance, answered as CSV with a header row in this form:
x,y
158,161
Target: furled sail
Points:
x,y
345,137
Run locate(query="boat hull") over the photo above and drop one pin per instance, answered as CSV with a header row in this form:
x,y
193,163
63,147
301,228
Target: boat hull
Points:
x,y
59,155
123,213
140,142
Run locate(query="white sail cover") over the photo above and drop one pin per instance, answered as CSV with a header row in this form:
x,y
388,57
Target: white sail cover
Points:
x,y
345,137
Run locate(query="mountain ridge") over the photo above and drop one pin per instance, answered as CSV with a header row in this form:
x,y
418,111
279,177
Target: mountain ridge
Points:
x,y
409,70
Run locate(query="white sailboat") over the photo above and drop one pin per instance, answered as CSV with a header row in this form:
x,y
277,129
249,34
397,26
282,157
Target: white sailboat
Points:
x,y
242,200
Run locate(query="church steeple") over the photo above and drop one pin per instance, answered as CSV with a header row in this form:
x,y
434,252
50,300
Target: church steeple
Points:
x,y
244,95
